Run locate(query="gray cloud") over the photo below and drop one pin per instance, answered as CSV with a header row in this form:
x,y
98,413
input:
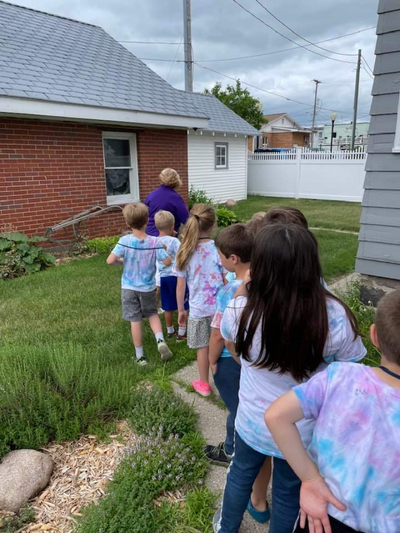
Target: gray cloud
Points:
x,y
221,29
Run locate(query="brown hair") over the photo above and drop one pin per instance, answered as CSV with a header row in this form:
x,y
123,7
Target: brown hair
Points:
x,y
202,218
285,215
136,215
170,178
387,322
236,239
256,222
164,220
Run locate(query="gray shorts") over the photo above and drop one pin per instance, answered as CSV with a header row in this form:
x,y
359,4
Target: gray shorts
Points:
x,y
137,305
198,332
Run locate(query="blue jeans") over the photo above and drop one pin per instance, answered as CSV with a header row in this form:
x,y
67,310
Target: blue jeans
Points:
x,y
227,381
244,468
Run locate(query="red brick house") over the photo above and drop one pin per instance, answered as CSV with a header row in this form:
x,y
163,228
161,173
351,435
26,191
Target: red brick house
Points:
x,y
282,131
82,122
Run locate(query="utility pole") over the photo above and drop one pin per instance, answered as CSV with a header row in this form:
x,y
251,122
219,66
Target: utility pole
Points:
x,y
314,112
187,24
353,133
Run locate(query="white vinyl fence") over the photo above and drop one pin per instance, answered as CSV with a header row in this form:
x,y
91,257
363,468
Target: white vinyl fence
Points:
x,y
301,173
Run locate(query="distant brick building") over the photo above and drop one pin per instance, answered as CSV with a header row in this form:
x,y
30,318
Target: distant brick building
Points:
x,y
281,131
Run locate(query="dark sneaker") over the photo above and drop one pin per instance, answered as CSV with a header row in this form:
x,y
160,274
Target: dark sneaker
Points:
x,y
141,361
171,335
164,351
261,517
181,338
218,455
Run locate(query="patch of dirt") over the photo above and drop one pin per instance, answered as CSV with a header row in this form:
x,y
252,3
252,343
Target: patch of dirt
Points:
x,y
82,470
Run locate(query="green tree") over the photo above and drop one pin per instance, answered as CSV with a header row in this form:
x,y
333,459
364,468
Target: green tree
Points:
x,y
240,101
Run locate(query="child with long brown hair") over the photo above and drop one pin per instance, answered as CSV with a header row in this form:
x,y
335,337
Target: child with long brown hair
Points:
x,y
287,328
199,266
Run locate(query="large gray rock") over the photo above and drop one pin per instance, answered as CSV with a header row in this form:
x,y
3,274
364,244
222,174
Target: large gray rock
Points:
x,y
231,203
23,474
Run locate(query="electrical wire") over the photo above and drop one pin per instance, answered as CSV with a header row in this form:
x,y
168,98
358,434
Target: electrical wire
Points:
x,y
363,66
365,61
288,38
149,42
300,36
173,64
256,55
264,90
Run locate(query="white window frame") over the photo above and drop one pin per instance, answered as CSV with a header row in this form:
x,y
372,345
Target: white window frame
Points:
x,y
224,145
123,199
396,146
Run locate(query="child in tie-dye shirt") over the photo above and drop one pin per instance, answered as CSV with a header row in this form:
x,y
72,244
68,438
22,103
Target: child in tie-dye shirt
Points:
x,y
139,252
351,474
199,267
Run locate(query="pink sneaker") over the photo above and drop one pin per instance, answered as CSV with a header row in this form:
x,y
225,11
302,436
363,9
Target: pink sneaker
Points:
x,y
201,388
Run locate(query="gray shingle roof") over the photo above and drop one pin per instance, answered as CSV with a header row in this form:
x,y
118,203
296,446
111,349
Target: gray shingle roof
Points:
x,y
222,119
52,58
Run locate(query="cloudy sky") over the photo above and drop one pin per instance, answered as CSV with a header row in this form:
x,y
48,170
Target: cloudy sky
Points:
x,y
223,30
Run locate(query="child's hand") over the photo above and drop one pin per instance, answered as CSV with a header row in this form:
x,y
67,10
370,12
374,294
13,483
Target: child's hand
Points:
x,y
314,498
182,318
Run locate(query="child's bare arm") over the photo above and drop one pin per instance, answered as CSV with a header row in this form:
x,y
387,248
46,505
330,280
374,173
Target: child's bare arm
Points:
x,y
281,418
216,346
167,261
180,298
230,345
113,259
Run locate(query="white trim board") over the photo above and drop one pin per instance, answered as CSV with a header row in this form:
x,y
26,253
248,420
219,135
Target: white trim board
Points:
x,y
30,108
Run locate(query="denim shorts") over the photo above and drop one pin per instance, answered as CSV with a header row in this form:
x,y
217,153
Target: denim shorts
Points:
x,y
138,305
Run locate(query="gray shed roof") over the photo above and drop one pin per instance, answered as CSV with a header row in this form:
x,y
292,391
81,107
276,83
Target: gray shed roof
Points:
x,y
51,58
222,119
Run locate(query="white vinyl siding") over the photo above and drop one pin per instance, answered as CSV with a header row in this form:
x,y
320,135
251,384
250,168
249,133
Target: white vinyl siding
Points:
x,y
222,183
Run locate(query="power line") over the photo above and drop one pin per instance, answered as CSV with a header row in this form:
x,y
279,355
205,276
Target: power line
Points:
x,y
149,42
264,90
365,61
363,66
288,38
252,55
173,64
300,36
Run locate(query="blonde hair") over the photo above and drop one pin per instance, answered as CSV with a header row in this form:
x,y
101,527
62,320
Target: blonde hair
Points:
x,y
170,178
164,220
256,222
202,218
136,215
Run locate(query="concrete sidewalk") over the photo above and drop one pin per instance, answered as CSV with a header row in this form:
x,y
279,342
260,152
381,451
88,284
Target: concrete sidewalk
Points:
x,y
212,421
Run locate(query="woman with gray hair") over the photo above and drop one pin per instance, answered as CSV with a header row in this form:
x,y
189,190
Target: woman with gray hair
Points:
x,y
166,198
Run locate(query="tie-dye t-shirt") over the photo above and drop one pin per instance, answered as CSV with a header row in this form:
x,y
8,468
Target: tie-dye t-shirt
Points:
x,y
204,276
140,259
356,443
224,296
172,245
259,387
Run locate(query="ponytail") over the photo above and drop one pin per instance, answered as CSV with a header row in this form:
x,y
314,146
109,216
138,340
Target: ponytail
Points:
x,y
202,218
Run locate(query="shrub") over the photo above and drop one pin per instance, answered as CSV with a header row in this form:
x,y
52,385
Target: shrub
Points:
x,y
17,522
102,245
20,255
198,197
159,406
57,393
153,467
226,217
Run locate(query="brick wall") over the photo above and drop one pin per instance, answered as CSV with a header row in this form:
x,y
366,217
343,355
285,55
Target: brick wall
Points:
x,y
50,171
286,140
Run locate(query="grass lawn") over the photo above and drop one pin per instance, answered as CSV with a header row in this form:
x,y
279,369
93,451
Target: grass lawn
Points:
x,y
319,213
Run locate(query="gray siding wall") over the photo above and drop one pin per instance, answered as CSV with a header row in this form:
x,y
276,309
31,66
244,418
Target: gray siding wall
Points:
x,y
379,240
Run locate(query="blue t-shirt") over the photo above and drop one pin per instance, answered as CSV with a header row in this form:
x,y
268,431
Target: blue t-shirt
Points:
x,y
140,259
224,296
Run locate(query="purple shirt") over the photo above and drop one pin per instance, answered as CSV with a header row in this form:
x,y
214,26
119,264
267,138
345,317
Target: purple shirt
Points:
x,y
167,199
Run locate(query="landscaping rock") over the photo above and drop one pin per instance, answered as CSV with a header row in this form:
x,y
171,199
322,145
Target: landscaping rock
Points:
x,y
231,203
23,474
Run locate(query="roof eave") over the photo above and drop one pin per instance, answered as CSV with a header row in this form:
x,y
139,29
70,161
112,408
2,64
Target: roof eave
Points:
x,y
26,107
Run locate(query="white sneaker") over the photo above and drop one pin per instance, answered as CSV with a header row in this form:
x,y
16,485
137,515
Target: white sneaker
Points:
x,y
164,351
141,361
160,311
